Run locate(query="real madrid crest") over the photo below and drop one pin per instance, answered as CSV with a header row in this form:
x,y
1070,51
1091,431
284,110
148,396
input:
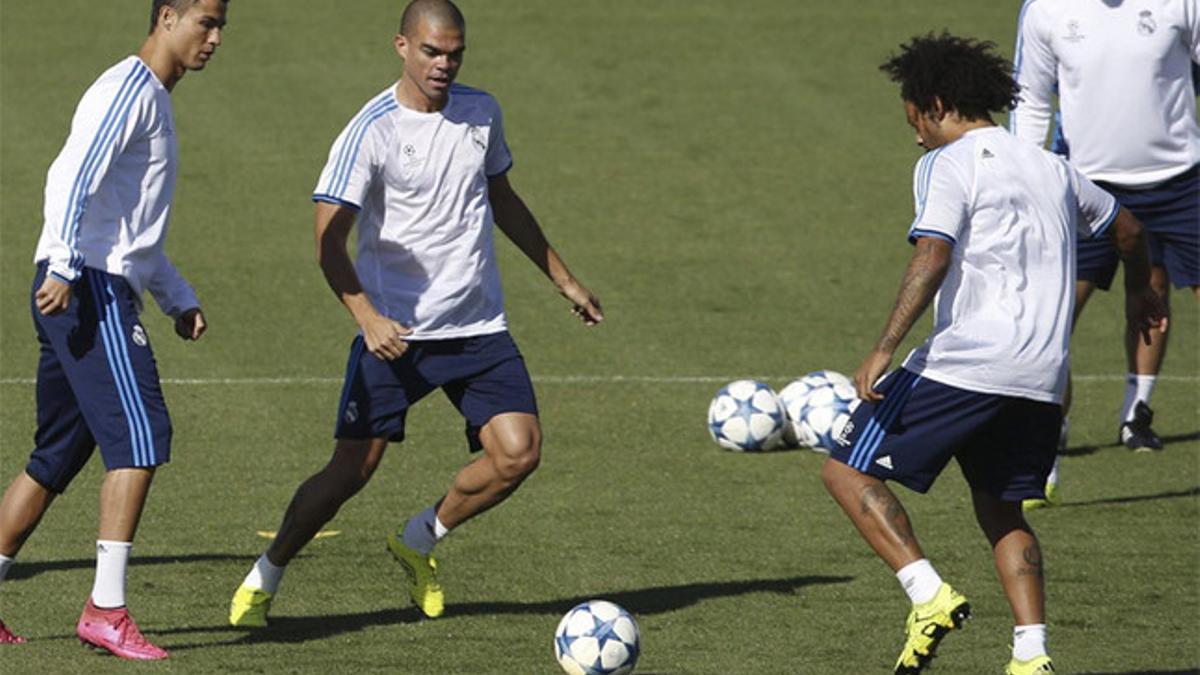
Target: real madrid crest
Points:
x,y
1146,24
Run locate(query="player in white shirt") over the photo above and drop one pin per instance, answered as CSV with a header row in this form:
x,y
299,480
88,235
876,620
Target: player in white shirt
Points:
x,y
996,221
1124,74
107,201
423,167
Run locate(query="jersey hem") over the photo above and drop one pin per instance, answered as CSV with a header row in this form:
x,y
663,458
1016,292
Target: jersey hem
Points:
x,y
482,331
950,380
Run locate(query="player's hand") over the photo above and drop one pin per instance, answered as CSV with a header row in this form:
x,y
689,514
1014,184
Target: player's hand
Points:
x,y
53,296
585,305
191,324
384,337
1146,311
872,368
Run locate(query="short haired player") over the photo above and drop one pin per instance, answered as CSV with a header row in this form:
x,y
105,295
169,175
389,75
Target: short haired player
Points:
x,y
107,201
1124,75
993,249
423,168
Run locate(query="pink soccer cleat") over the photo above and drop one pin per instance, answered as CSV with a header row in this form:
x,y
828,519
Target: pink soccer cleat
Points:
x,y
114,631
7,637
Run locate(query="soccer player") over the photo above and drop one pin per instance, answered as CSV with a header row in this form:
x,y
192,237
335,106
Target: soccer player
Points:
x,y
423,168
1124,76
993,238
107,201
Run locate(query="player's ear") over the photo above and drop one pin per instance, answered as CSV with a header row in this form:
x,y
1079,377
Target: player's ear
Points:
x,y
401,45
938,110
167,17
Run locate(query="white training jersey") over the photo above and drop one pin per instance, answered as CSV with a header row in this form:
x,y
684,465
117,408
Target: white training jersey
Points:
x,y
108,193
1011,210
1123,75
420,183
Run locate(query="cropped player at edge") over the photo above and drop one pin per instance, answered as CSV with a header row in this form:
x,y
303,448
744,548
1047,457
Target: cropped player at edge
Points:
x,y
996,221
1124,75
423,166
107,204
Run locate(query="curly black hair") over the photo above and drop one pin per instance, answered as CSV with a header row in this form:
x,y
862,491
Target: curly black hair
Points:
x,y
965,74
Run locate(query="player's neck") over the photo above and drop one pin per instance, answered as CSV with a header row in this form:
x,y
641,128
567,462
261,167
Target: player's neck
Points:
x,y
411,97
165,66
955,128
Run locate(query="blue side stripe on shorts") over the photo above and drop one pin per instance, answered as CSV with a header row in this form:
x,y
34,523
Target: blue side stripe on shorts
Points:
x,y
865,448
110,354
150,456
113,121
874,430
902,394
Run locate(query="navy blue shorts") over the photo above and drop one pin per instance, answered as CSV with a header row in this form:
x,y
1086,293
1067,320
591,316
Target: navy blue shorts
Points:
x,y
97,383
482,376
1005,446
1171,214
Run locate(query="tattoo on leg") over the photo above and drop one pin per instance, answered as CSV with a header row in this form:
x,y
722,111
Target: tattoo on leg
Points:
x,y
891,512
1032,557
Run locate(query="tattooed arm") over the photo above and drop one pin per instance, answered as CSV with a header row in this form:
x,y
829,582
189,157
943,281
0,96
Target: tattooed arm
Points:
x,y
926,270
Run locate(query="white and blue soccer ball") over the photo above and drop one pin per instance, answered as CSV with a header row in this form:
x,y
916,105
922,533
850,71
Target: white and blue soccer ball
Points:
x,y
818,407
597,638
746,416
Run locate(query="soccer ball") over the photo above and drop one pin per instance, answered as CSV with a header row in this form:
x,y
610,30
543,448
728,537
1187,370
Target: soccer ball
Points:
x,y
818,406
746,416
597,638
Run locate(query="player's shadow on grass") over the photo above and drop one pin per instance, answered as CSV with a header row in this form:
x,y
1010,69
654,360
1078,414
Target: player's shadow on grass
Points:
x,y
26,570
656,600
1175,494
1081,450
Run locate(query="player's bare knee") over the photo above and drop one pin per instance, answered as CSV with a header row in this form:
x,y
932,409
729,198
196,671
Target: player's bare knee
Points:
x,y
517,462
833,475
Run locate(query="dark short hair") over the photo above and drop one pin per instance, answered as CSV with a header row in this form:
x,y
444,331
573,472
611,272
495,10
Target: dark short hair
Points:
x,y
438,10
180,7
965,74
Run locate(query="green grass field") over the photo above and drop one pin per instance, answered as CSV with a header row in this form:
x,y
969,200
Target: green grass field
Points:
x,y
734,181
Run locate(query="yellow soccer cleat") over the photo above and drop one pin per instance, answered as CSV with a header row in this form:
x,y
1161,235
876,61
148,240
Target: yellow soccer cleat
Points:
x,y
249,607
927,624
421,570
1053,498
1038,665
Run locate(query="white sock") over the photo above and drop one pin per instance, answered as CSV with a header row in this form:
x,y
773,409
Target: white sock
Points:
x,y
1145,387
920,581
1131,398
265,576
5,563
112,559
1052,479
439,530
1137,388
1029,641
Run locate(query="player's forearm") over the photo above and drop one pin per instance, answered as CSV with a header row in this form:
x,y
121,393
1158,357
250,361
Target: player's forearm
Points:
x,y
343,280
519,225
922,280
1129,236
